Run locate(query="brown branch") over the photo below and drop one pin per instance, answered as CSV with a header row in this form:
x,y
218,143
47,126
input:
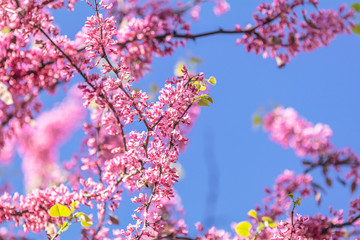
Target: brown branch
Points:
x,y
340,225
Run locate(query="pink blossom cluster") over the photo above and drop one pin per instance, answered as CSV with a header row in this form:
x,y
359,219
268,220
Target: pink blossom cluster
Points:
x,y
289,129
278,202
136,32
305,227
31,211
118,155
144,31
28,63
38,143
281,30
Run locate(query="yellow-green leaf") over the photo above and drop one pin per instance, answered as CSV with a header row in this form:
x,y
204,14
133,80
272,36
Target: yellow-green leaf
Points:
x,y
252,213
197,85
59,210
63,227
5,30
291,195
204,102
268,222
210,99
260,227
356,29
73,205
298,201
257,120
356,7
203,88
154,87
212,80
195,60
243,229
178,68
86,223
84,219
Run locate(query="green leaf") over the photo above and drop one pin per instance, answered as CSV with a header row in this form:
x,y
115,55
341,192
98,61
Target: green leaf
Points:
x,y
197,84
178,68
84,219
356,29
59,210
73,205
243,229
63,227
210,99
298,201
5,30
269,222
257,120
252,213
212,80
204,102
195,60
356,7
291,195
203,88
260,227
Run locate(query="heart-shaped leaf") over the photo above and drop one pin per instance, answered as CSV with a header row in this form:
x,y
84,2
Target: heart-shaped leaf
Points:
x,y
252,213
59,210
84,219
243,229
269,222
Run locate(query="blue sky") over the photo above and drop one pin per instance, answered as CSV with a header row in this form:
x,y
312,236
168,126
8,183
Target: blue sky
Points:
x,y
323,86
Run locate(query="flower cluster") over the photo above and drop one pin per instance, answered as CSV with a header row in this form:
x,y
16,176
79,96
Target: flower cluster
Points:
x,y
132,143
282,31
291,130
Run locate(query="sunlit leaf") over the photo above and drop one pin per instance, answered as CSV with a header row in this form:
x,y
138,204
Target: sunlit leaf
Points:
x,y
212,80
356,29
268,222
59,210
356,7
298,201
203,88
243,229
260,226
5,30
154,87
195,60
84,219
93,105
257,120
252,213
204,102
63,227
73,205
178,68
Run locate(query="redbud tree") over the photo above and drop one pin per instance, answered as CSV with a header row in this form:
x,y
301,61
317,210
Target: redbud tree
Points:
x,y
133,138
